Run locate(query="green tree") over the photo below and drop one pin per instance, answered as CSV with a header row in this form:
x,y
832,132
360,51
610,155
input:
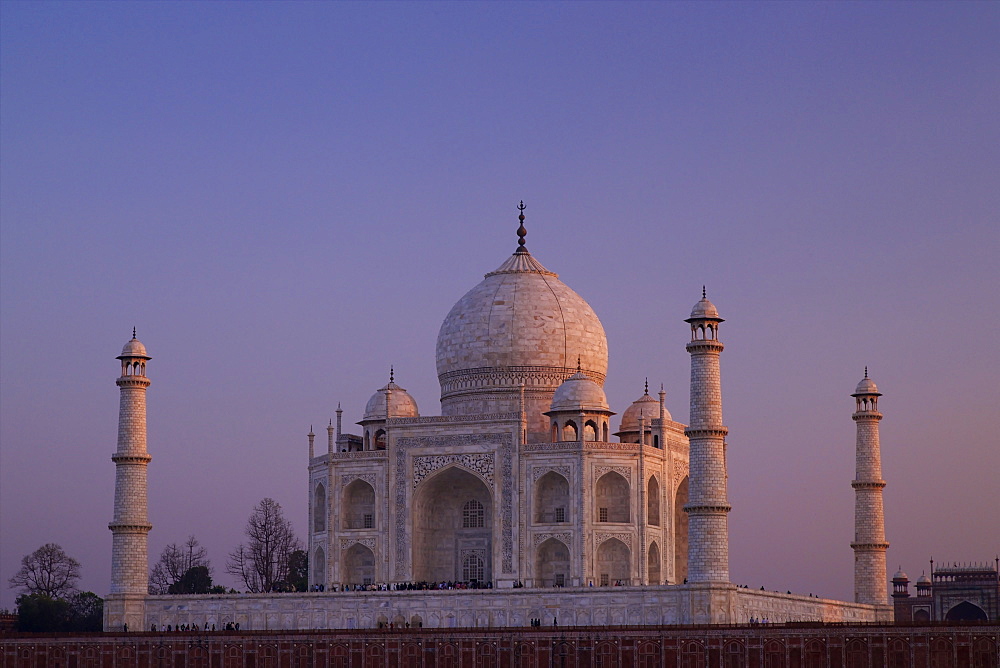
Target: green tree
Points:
x,y
197,580
38,613
174,563
47,571
298,570
86,612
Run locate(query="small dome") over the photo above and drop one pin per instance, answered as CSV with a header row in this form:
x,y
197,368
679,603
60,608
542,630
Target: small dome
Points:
x,y
578,392
704,309
923,580
900,575
648,406
403,405
134,348
866,386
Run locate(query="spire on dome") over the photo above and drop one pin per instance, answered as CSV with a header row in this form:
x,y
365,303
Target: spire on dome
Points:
x,y
866,371
392,374
521,232
133,332
646,391
579,366
703,295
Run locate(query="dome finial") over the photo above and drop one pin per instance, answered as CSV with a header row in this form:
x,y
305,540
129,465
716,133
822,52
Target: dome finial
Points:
x,y
579,366
866,371
521,232
647,386
133,332
392,374
703,294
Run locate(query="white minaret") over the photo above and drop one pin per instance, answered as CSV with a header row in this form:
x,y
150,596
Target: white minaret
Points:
x,y
130,526
870,585
708,506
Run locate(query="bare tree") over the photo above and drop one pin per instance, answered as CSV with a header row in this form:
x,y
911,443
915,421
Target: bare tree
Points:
x,y
174,562
263,562
48,571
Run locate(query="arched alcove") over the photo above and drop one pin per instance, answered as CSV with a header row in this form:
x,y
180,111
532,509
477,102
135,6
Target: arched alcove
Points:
x,y
653,502
444,536
612,498
551,563
569,432
319,567
653,565
319,508
966,612
359,506
614,560
551,499
359,565
681,533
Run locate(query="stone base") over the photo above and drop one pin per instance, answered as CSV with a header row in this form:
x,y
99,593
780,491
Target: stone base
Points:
x,y
570,606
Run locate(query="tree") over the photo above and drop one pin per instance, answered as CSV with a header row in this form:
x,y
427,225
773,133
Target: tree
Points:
x,y
86,611
196,580
263,562
298,570
47,571
37,613
175,561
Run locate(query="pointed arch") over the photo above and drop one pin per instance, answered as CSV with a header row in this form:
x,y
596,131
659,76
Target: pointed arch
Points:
x,y
612,498
551,563
319,508
319,567
359,505
653,502
681,532
569,431
359,565
653,565
551,499
614,560
442,540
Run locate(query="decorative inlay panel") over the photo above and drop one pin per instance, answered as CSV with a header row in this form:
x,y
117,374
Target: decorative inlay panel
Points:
x,y
540,538
347,478
600,537
539,471
623,471
680,472
346,543
481,463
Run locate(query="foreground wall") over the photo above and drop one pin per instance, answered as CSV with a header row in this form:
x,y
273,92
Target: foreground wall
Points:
x,y
580,606
794,646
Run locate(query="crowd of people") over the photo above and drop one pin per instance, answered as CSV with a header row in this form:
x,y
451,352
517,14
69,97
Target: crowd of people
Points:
x,y
409,586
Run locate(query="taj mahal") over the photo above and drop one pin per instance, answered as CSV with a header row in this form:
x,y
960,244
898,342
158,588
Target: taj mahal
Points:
x,y
527,488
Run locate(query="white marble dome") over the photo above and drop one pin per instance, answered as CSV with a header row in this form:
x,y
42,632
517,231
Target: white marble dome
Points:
x,y
579,392
134,348
401,403
704,309
521,315
648,406
866,386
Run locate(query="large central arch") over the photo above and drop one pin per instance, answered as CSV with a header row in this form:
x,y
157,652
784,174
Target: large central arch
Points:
x,y
452,527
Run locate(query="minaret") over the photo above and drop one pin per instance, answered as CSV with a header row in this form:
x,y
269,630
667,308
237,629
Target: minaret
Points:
x,y
708,506
869,520
130,526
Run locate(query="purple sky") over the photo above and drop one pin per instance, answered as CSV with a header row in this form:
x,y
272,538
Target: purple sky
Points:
x,y
287,198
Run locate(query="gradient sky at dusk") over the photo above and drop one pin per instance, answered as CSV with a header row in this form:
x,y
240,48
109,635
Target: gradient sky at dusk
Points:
x,y
286,198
